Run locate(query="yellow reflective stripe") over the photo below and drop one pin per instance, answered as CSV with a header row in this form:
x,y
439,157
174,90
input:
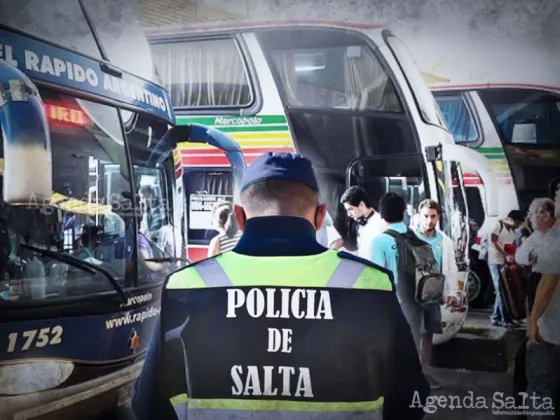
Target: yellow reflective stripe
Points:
x,y
373,279
179,399
283,405
295,271
186,278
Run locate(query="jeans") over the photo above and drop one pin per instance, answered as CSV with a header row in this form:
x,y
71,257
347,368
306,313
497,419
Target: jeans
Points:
x,y
542,364
499,314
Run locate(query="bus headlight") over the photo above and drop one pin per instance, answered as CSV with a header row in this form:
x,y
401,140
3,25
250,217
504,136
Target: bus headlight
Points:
x,y
33,376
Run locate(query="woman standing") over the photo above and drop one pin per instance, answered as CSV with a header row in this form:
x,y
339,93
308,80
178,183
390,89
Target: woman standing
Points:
x,y
228,232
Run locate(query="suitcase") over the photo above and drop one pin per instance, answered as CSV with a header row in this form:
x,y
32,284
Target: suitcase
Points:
x,y
513,286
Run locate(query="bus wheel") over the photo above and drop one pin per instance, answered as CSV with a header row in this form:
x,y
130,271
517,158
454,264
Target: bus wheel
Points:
x,y
474,286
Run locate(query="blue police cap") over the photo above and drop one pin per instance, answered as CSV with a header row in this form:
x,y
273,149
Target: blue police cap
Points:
x,y
280,167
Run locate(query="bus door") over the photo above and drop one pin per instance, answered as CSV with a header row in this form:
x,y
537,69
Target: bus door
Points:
x,y
400,173
451,196
205,186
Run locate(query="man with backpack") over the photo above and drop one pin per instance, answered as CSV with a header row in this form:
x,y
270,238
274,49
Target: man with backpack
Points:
x,y
418,280
429,213
499,250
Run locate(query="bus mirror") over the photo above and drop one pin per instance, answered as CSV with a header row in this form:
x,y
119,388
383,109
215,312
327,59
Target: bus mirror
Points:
x,y
470,159
199,133
27,165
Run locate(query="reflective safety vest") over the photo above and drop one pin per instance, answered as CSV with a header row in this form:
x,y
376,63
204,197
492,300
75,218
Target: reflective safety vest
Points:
x,y
266,338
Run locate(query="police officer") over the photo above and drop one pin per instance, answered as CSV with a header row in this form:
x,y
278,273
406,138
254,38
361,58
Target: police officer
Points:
x,y
281,327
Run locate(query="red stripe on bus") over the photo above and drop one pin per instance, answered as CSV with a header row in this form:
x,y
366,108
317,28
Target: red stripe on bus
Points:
x,y
196,254
246,151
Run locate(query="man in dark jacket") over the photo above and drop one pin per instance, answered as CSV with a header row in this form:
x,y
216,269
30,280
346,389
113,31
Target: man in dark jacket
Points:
x,y
280,215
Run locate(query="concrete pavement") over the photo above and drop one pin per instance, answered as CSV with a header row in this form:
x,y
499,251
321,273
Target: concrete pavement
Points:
x,y
469,395
476,371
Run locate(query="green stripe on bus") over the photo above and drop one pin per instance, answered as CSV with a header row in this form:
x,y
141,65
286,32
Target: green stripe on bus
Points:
x,y
272,405
492,153
490,150
239,129
223,120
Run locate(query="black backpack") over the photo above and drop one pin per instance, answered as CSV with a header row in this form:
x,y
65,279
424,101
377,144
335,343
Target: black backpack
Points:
x,y
419,276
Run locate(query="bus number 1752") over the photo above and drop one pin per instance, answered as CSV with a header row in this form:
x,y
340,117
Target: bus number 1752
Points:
x,y
35,338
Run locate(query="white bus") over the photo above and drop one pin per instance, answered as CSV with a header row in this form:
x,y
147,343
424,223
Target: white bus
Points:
x,y
348,96
504,102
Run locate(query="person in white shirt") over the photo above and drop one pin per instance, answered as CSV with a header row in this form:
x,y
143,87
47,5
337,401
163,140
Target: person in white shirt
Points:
x,y
554,193
542,249
358,206
328,236
500,252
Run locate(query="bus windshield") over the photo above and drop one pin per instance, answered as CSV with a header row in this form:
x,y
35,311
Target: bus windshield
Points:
x,y
36,16
322,68
525,116
90,217
422,95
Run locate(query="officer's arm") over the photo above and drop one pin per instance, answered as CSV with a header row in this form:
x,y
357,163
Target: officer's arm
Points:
x,y
409,387
147,400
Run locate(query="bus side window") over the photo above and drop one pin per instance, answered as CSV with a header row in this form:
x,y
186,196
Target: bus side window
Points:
x,y
458,117
204,74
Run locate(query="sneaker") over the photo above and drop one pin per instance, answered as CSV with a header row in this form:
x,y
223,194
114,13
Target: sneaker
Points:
x,y
433,383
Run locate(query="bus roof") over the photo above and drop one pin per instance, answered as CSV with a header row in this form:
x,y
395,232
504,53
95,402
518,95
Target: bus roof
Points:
x,y
240,26
468,61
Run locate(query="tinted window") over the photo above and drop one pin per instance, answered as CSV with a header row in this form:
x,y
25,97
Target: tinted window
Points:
x,y
476,208
153,170
90,173
321,68
458,118
208,74
332,140
60,21
525,116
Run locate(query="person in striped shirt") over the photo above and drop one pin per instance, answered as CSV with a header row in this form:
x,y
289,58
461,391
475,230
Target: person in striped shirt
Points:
x,y
228,232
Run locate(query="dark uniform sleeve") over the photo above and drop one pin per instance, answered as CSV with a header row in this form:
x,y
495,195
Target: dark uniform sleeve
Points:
x,y
148,402
409,388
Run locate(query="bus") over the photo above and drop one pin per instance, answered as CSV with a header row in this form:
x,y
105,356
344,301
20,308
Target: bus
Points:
x,y
348,96
505,110
92,213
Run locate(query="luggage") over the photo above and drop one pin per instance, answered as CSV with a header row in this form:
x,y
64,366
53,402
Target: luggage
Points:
x,y
514,289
